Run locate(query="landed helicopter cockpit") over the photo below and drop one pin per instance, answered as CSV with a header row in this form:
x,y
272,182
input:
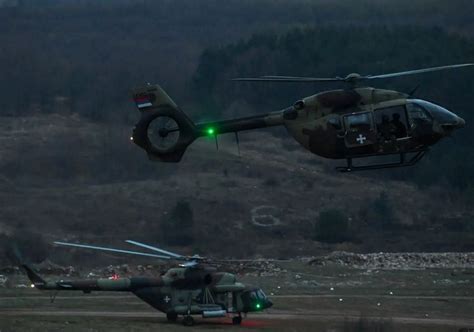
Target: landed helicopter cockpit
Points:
x,y
255,300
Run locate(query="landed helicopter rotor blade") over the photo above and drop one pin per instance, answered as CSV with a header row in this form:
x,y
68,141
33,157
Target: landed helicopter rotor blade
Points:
x,y
415,71
111,249
143,245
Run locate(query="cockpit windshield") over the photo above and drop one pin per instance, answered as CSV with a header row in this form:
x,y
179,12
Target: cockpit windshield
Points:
x,y
417,112
257,294
255,300
439,113
261,295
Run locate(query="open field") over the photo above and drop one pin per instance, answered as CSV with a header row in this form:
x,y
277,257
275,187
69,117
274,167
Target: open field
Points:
x,y
306,298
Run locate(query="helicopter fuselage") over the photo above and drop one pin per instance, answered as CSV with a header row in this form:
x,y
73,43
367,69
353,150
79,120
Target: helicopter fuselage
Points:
x,y
368,122
179,291
337,124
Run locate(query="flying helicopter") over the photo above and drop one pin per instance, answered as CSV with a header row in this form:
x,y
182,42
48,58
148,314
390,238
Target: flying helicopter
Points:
x,y
193,288
350,123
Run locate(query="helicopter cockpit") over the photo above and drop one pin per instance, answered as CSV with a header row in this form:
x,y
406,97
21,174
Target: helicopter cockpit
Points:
x,y
399,127
255,300
426,111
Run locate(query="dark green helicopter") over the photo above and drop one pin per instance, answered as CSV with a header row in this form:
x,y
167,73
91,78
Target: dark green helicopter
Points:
x,y
192,288
356,122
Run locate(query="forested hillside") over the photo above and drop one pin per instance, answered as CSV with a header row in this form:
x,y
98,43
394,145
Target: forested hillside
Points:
x,y
86,55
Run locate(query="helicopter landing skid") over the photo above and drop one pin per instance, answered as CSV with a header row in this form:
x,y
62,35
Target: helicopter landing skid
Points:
x,y
402,163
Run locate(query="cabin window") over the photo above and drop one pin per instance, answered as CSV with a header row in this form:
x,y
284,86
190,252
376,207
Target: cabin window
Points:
x,y
391,122
358,122
335,122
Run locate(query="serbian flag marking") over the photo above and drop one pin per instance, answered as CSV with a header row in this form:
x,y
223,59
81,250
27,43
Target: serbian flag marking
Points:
x,y
143,101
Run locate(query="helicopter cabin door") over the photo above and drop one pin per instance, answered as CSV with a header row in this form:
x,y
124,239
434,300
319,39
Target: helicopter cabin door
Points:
x,y
360,130
392,128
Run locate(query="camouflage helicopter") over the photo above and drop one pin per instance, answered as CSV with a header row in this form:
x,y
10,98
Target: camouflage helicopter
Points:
x,y
350,123
192,288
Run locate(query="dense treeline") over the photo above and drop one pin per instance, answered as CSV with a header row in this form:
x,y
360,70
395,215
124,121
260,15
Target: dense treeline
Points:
x,y
327,52
86,55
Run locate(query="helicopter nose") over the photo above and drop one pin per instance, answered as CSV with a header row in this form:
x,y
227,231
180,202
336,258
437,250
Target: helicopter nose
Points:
x,y
461,123
268,304
448,120
455,122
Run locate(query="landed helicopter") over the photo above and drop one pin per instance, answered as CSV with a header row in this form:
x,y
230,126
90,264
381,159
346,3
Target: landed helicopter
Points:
x,y
192,288
356,122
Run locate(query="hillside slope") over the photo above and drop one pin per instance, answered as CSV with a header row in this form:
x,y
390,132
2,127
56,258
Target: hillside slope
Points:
x,y
63,177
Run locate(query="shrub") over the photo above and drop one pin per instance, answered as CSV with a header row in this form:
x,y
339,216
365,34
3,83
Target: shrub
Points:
x,y
23,246
177,228
383,210
332,227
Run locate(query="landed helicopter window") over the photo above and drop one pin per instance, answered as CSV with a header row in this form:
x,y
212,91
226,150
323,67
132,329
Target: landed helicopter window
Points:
x,y
358,122
261,294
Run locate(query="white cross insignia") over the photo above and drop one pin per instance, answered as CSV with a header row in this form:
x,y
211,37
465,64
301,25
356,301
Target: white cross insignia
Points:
x,y
167,299
361,139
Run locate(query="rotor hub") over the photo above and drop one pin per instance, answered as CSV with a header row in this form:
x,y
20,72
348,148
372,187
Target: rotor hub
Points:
x,y
352,77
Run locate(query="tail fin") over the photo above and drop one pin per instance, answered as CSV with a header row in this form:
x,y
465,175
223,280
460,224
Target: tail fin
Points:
x,y
34,277
163,131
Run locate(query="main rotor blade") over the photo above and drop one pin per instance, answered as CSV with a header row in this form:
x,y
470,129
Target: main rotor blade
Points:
x,y
306,78
351,78
110,249
417,71
287,79
155,249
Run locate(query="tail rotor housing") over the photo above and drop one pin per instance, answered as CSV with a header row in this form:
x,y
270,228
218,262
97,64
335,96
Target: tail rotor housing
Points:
x,y
163,131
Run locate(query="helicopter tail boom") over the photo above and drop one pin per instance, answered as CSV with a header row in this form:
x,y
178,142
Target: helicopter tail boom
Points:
x,y
240,124
164,131
34,277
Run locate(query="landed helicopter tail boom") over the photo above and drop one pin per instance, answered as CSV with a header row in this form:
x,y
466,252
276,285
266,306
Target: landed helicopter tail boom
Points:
x,y
34,277
164,131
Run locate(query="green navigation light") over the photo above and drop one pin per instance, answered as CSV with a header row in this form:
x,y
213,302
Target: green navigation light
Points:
x,y
257,306
210,131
